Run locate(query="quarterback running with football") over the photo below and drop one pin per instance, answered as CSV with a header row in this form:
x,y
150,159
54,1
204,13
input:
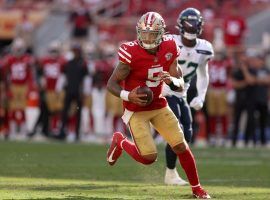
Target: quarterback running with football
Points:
x,y
194,57
150,61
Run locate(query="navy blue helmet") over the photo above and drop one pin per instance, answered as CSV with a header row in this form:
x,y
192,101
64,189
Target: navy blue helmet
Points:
x,y
190,23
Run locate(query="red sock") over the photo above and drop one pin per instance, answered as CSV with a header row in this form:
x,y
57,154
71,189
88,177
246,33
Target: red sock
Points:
x,y
91,122
72,123
54,121
115,122
131,149
19,116
212,125
224,122
187,162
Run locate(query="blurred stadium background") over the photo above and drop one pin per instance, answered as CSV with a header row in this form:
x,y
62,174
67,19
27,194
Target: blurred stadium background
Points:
x,y
44,35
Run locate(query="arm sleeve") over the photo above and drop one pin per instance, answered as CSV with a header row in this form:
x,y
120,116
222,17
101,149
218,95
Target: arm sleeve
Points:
x,y
211,50
175,52
202,80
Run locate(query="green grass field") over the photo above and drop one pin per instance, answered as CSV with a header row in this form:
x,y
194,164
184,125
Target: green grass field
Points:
x,y
80,171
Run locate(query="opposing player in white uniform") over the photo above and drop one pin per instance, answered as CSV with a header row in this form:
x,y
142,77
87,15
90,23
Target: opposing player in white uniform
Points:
x,y
194,57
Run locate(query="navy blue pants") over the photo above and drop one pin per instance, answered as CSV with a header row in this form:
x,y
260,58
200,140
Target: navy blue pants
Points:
x,y
181,109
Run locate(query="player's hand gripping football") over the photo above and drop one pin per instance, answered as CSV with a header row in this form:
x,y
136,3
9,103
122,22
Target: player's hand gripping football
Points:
x,y
136,98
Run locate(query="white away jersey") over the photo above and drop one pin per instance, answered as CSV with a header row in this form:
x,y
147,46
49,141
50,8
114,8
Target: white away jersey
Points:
x,y
190,60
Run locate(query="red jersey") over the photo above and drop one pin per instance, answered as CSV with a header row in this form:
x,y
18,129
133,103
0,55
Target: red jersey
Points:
x,y
145,68
234,28
19,69
219,73
52,69
105,68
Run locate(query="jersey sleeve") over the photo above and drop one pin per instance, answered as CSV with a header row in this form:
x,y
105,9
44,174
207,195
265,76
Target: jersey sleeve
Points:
x,y
176,51
173,51
124,54
206,49
210,49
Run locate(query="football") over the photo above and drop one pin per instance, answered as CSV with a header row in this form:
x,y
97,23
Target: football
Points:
x,y
148,91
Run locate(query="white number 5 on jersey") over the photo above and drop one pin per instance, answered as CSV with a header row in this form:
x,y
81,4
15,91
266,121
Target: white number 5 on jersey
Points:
x,y
153,79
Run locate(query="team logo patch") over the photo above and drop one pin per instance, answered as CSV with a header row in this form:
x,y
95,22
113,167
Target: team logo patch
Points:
x,y
168,56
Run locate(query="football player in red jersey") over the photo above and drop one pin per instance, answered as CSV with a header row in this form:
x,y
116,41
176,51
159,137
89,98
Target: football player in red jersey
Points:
x,y
50,69
216,98
150,61
19,73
